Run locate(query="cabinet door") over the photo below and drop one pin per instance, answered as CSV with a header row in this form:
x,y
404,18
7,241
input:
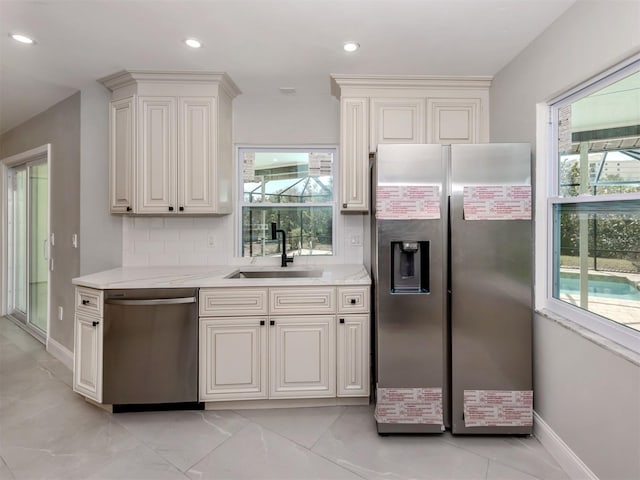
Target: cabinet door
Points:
x,y
396,120
302,356
354,154
121,154
233,358
197,155
353,356
454,120
87,371
157,164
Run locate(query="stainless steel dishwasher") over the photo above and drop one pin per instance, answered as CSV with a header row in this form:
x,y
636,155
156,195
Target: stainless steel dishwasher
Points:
x,y
150,343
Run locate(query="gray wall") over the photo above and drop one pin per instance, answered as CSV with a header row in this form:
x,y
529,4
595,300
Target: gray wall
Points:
x,y
100,232
59,126
586,393
286,119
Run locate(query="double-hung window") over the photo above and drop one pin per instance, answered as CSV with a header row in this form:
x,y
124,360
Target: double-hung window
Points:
x,y
594,205
293,188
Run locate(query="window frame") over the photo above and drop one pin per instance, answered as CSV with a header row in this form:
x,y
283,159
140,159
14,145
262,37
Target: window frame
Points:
x,y
548,193
238,249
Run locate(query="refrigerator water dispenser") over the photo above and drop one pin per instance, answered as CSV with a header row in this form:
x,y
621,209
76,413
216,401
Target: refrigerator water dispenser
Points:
x,y
410,267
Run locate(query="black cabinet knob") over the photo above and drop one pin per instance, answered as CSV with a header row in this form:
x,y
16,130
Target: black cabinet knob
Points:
x,y
342,320
129,209
344,205
85,302
171,209
181,209
272,322
261,322
352,301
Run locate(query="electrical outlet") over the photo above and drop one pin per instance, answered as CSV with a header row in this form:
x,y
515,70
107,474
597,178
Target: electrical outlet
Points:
x,y
211,240
356,240
74,240
60,313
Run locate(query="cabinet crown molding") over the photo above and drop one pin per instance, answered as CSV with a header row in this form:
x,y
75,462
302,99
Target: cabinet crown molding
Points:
x,y
342,81
132,77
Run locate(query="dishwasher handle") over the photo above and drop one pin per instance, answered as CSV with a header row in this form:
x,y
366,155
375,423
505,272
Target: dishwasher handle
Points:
x,y
151,301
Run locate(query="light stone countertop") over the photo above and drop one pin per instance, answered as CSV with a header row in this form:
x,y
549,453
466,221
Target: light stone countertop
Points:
x,y
215,276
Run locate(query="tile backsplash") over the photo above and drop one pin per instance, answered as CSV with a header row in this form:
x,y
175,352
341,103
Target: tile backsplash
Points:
x,y
176,241
183,241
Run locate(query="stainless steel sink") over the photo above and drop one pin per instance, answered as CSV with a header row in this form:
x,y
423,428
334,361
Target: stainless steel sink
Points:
x,y
276,274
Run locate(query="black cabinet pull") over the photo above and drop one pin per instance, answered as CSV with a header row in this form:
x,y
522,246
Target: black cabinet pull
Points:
x,y
171,209
129,209
342,320
272,322
181,209
95,324
352,301
86,302
261,322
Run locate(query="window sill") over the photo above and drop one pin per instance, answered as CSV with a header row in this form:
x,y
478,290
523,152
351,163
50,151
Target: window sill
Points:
x,y
601,341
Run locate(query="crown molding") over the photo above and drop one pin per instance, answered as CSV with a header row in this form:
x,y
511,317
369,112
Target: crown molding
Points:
x,y
339,82
131,77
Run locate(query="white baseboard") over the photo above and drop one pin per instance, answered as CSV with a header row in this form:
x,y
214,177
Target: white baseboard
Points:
x,y
61,352
560,451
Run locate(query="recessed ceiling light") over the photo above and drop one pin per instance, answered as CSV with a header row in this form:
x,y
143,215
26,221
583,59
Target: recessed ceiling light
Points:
x,y
351,46
22,38
193,42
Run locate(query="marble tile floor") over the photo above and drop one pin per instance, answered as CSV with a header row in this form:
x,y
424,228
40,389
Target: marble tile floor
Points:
x,y
48,431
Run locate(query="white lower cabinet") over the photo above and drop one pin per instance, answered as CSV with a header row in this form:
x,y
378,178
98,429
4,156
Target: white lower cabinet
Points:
x,y
233,358
302,356
293,352
87,372
353,355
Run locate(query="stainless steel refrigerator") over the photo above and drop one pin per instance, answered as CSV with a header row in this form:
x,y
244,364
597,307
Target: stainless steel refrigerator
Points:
x,y
452,280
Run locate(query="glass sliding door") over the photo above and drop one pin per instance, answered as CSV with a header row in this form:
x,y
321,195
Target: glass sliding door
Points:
x,y
28,236
38,235
18,244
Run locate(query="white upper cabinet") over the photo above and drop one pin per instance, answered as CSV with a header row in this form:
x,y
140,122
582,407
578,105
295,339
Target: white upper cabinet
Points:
x,y
376,109
122,148
456,120
396,120
156,185
196,157
354,154
171,145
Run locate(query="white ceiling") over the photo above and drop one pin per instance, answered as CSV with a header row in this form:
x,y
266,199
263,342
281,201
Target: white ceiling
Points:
x,y
262,44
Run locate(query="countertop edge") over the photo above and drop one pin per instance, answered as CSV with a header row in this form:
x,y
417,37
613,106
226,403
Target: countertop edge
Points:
x,y
215,277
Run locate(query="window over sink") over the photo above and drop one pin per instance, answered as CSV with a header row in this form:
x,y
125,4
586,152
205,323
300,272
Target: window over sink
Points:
x,y
292,187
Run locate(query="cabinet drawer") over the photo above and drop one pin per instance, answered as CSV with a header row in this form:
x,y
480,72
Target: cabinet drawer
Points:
x,y
224,302
89,301
353,299
302,300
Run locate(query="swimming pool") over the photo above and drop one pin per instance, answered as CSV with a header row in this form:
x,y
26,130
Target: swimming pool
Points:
x,y
601,286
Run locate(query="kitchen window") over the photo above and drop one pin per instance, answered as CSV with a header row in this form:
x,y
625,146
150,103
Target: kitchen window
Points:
x,y
292,187
594,205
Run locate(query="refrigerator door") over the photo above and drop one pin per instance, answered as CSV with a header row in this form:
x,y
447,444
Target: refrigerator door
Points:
x,y
408,267
491,299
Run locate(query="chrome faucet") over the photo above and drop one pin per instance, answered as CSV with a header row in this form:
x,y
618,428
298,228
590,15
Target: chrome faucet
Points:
x,y
274,236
